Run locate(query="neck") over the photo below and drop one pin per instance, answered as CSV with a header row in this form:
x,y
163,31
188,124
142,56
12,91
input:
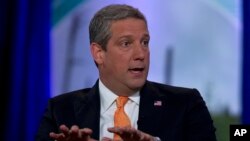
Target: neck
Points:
x,y
120,91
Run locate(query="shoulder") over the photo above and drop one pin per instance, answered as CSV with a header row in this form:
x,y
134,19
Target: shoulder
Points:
x,y
174,93
69,98
72,94
177,98
170,89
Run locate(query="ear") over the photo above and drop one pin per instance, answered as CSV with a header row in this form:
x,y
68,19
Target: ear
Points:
x,y
97,53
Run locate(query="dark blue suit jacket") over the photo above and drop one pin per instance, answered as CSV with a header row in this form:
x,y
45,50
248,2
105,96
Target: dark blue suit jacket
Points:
x,y
171,113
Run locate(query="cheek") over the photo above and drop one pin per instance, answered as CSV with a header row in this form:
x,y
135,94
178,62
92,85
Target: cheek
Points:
x,y
148,56
121,63
118,60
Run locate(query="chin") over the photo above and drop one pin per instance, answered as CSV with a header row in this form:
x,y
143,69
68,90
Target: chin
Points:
x,y
137,84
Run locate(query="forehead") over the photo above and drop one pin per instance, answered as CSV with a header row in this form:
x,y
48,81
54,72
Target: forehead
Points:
x,y
129,25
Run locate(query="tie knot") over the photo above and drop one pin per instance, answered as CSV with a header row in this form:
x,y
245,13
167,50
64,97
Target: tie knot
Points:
x,y
121,101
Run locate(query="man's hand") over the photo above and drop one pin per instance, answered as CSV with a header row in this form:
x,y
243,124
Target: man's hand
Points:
x,y
72,134
130,134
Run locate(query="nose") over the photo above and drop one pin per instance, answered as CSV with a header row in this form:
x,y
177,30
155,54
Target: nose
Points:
x,y
140,52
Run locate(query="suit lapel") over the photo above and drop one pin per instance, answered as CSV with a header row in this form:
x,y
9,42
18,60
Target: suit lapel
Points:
x,y
87,110
152,104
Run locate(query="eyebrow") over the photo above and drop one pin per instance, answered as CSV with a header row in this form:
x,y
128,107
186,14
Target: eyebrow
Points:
x,y
146,35
128,36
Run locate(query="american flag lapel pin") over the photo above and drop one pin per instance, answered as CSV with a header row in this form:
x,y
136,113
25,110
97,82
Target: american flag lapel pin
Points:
x,y
158,103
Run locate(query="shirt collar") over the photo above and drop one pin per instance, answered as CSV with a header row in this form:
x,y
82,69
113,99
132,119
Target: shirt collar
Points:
x,y
108,97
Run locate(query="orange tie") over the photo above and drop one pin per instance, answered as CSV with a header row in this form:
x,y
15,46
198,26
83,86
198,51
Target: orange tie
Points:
x,y
120,118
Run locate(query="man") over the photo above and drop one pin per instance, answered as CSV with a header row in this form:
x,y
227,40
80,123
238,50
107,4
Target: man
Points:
x,y
119,41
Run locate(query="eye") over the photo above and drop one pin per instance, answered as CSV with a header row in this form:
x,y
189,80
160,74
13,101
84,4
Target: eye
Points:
x,y
125,44
145,43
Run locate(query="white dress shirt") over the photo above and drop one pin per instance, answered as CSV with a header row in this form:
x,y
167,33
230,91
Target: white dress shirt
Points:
x,y
108,108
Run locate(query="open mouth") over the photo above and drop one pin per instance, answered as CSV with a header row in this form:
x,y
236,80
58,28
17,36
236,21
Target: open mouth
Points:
x,y
136,70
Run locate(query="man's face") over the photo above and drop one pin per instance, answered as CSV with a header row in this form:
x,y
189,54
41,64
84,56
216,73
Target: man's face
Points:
x,y
125,63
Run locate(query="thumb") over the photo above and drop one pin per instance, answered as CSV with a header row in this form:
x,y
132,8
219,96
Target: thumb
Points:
x,y
106,139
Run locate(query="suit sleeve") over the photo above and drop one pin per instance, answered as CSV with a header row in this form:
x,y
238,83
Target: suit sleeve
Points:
x,y
198,122
47,125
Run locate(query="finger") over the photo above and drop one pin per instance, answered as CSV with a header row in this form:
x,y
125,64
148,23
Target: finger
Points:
x,y
126,132
131,134
85,133
56,136
74,132
137,135
145,137
64,129
106,139
115,130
